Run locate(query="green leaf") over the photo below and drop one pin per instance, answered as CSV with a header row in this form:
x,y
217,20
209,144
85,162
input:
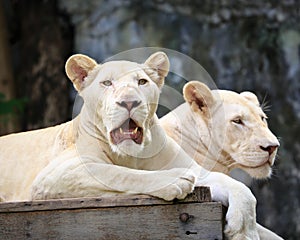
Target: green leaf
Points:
x,y
2,96
11,106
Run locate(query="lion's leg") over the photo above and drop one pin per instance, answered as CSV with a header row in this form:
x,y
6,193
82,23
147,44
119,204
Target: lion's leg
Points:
x,y
77,177
241,214
266,234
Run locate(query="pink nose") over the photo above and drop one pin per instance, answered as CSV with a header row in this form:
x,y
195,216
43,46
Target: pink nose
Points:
x,y
129,104
270,149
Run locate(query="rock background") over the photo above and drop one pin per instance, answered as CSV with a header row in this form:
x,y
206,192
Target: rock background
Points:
x,y
41,40
244,45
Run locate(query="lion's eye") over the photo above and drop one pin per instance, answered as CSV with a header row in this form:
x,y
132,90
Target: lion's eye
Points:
x,y
264,119
107,83
237,121
142,81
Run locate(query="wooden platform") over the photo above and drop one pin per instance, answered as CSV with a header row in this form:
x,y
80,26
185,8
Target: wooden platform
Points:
x,y
122,217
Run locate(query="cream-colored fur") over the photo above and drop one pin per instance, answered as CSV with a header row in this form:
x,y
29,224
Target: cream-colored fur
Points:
x,y
223,130
115,146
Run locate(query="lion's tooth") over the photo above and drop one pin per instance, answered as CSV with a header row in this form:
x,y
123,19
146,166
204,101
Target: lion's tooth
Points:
x,y
121,130
135,130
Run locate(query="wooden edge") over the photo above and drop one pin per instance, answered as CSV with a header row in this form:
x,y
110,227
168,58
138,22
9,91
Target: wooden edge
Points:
x,y
200,194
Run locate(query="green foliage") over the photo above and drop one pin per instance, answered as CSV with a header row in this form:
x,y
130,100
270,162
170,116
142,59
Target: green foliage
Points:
x,y
11,106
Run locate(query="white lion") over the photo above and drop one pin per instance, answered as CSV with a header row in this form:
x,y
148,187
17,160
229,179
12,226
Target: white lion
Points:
x,y
223,130
115,146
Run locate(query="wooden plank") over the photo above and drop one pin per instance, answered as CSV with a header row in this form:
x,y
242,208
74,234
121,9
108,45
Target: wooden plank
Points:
x,y
200,194
140,222
138,217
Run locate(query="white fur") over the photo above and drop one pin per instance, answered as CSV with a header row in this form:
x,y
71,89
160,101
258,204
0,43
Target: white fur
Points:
x,y
209,136
79,159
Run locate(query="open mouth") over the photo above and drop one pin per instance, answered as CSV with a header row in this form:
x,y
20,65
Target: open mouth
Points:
x,y
128,130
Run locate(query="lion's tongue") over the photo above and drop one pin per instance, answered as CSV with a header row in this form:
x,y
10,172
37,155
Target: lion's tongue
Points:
x,y
128,130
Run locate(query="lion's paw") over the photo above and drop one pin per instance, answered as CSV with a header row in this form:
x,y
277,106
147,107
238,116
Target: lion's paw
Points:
x,y
234,229
179,185
241,217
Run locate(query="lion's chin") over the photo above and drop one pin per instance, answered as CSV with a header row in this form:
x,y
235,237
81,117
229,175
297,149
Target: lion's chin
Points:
x,y
260,172
127,148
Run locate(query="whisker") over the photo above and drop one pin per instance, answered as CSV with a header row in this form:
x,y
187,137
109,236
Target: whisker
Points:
x,y
265,106
265,97
261,181
278,157
274,174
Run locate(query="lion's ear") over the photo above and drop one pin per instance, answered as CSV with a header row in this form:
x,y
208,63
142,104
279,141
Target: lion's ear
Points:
x,y
199,96
250,97
157,67
77,68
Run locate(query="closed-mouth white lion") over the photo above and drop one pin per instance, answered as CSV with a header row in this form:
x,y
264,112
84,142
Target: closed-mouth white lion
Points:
x,y
115,146
223,130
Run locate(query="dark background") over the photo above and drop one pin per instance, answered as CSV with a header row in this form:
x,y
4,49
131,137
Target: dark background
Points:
x,y
244,45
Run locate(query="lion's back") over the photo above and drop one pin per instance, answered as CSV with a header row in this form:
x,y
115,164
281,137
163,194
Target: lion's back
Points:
x,y
23,155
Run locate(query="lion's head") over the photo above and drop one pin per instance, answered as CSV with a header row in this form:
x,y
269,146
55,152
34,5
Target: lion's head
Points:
x,y
120,98
237,127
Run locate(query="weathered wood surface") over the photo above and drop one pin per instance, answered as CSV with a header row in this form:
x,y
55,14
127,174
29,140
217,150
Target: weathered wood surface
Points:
x,y
201,194
124,217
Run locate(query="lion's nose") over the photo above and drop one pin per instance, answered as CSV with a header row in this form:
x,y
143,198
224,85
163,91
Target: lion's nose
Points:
x,y
270,149
129,104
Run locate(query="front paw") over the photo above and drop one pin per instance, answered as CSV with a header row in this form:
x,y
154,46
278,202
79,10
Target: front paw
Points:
x,y
240,228
178,185
241,215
